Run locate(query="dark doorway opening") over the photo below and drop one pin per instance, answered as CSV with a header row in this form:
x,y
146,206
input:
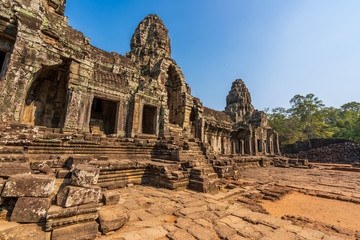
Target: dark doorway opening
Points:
x,y
2,61
173,87
193,117
103,116
247,147
149,120
259,145
222,146
46,98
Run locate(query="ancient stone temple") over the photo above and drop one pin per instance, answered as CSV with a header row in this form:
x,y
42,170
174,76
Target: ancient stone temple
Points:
x,y
68,107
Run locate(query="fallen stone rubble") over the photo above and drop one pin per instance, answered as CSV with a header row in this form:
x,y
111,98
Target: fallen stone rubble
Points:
x,y
346,152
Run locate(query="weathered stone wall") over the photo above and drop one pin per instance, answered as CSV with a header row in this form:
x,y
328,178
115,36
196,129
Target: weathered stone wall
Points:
x,y
44,52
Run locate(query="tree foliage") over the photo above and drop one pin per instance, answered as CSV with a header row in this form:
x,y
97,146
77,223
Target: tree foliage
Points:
x,y
309,118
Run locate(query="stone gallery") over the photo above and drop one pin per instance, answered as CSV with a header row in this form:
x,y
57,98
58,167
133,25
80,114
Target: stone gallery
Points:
x,y
78,123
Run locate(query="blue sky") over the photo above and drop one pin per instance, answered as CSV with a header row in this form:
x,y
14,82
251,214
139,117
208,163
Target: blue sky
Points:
x,y
280,48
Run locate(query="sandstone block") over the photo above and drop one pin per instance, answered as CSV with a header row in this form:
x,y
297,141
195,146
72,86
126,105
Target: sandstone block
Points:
x,y
180,234
63,222
8,169
58,217
29,185
30,210
85,175
111,198
9,230
2,184
73,196
56,212
84,231
202,233
112,218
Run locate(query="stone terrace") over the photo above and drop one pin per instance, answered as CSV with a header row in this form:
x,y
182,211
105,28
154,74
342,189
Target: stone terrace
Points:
x,y
165,214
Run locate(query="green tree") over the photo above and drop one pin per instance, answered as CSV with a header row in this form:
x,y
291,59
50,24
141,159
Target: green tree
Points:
x,y
289,129
309,118
308,110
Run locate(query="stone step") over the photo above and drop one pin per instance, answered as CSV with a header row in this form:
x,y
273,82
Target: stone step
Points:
x,y
197,163
202,170
14,158
168,161
204,178
206,187
11,150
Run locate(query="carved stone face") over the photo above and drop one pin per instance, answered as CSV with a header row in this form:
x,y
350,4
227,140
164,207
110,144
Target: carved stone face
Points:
x,y
151,39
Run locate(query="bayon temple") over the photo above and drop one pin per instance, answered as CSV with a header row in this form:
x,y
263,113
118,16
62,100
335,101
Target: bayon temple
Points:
x,y
68,108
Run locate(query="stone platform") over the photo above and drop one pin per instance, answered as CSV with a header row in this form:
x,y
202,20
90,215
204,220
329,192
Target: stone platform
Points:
x,y
162,214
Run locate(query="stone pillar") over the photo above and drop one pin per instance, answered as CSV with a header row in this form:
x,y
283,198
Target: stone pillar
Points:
x,y
135,117
254,144
72,109
276,145
140,118
241,147
233,146
87,114
157,121
120,121
202,130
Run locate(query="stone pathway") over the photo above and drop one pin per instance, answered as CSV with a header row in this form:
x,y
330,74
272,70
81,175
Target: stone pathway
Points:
x,y
181,215
319,179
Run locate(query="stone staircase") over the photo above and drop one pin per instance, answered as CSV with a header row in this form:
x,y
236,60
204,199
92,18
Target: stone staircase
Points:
x,y
201,173
173,163
175,132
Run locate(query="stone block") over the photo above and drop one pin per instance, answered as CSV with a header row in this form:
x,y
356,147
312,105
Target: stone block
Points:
x,y
58,217
72,162
59,212
2,184
73,196
9,230
180,234
84,231
29,185
111,198
85,175
30,210
112,218
63,222
8,169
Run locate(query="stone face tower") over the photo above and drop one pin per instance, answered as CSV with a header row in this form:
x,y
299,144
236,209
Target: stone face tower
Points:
x,y
150,39
238,102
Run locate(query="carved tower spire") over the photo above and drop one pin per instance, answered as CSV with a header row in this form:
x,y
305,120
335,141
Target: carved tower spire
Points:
x,y
238,102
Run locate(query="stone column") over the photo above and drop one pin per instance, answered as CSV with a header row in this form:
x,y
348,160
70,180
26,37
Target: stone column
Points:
x,y
87,114
157,121
72,110
242,147
120,118
254,144
135,117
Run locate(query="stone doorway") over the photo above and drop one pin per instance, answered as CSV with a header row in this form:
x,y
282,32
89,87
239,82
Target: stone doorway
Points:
x,y
193,117
149,120
3,56
45,103
103,116
173,86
